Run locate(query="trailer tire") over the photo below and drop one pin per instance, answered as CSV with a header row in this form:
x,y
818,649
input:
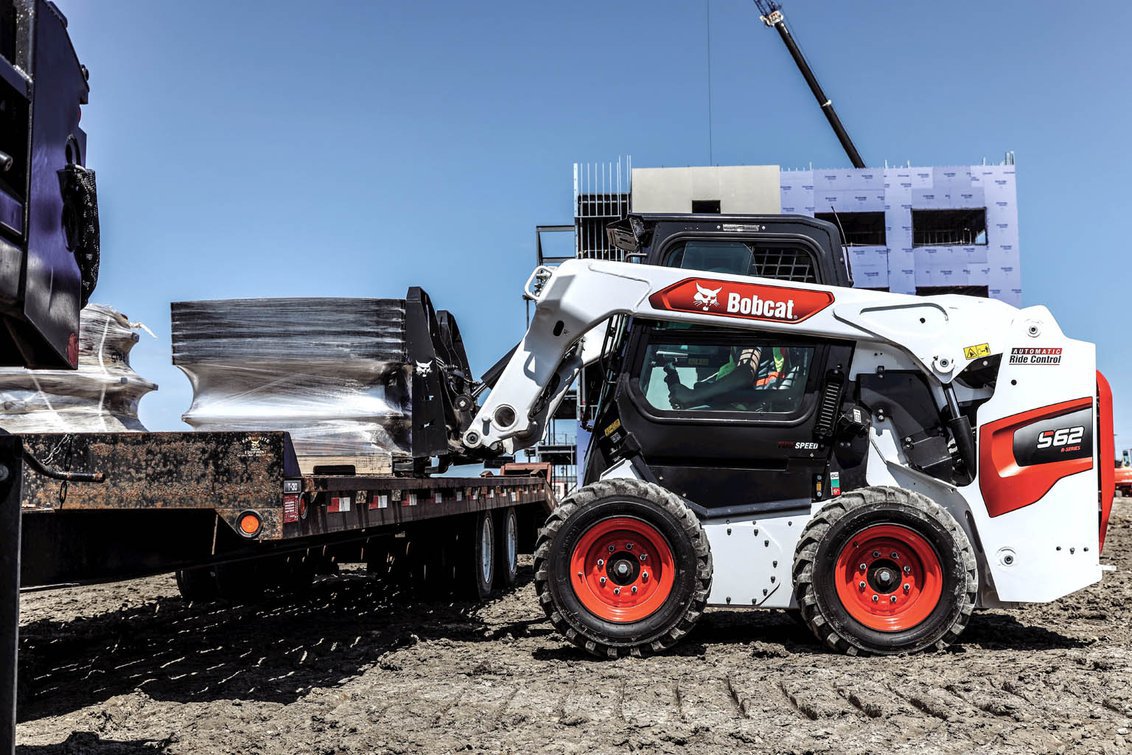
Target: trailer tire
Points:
x,y
296,573
660,568
506,548
240,581
921,598
197,585
475,565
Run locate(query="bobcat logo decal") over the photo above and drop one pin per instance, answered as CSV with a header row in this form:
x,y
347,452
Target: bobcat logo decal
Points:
x,y
706,297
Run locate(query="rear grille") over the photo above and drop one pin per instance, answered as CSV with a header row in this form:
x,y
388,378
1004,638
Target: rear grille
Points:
x,y
784,264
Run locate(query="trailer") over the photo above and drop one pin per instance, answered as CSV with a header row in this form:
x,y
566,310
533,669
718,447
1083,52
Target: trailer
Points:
x,y
233,515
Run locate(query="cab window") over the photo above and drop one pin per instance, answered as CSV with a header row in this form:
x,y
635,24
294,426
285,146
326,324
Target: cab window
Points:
x,y
779,260
727,375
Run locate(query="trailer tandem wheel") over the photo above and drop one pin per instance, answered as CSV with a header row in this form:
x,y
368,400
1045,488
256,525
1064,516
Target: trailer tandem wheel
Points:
x,y
506,547
623,567
883,570
197,585
475,564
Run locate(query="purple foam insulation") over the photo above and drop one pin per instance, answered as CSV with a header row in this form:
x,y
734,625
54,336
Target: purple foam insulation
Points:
x,y
898,191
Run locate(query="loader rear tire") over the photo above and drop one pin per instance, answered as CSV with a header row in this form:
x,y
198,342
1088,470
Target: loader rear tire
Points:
x,y
882,571
623,567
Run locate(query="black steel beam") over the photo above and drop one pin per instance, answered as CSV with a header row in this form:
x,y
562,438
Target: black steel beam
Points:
x,y
778,21
11,455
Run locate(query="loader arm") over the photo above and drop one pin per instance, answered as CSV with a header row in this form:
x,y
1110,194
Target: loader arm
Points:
x,y
573,299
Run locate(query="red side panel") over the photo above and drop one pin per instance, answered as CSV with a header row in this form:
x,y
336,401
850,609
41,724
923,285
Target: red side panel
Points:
x,y
1106,452
747,301
1008,484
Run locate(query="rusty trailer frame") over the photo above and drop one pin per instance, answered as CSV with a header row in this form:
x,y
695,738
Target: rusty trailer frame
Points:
x,y
146,503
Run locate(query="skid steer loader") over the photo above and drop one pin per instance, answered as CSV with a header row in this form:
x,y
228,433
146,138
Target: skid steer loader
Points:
x,y
768,437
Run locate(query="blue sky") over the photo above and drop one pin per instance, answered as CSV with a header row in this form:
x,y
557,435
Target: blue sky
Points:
x,y
357,148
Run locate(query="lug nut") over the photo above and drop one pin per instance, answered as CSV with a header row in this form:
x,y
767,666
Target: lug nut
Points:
x,y
894,555
611,549
602,580
876,598
628,546
616,590
645,576
601,562
863,567
634,589
861,585
907,569
907,588
892,599
644,557
876,554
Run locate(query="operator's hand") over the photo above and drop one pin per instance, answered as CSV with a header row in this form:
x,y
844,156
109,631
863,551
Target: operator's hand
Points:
x,y
680,396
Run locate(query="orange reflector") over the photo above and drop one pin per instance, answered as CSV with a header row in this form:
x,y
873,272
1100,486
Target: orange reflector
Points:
x,y
249,524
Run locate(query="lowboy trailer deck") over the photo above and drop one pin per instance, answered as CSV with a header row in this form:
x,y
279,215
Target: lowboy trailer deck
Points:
x,y
232,509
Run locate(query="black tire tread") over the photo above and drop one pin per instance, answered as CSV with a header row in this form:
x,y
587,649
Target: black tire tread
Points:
x,y
663,498
833,511
197,585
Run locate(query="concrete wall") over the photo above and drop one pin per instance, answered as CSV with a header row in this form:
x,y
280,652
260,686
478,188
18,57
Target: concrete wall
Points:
x,y
742,189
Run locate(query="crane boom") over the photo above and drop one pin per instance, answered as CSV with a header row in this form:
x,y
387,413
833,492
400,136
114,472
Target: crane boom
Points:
x,y
771,13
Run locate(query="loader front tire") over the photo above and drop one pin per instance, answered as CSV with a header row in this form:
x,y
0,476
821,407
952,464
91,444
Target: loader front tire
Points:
x,y
623,567
882,571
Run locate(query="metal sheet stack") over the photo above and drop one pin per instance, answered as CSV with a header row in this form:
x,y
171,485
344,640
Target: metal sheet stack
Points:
x,y
332,372
100,396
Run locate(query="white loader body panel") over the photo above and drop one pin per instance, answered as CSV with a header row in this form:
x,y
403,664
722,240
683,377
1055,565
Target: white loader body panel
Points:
x,y
1034,525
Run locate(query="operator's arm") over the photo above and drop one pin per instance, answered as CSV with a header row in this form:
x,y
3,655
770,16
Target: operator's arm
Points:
x,y
743,376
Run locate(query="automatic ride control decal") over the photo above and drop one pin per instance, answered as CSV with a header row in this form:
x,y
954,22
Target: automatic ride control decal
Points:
x,y
1047,355
748,301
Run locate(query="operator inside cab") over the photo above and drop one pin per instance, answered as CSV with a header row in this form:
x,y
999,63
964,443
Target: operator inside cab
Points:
x,y
752,367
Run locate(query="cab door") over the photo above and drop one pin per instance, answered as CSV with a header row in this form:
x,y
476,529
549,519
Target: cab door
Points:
x,y
747,442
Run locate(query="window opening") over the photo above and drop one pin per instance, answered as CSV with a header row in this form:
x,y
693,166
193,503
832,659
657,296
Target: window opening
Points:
x,y
949,227
858,228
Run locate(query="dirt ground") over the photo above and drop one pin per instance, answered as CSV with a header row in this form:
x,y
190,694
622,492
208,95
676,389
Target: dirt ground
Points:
x,y
355,667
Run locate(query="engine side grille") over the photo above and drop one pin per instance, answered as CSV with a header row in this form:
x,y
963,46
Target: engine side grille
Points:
x,y
830,401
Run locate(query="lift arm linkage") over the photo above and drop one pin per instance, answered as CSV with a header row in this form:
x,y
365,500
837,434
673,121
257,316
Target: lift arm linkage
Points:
x,y
574,299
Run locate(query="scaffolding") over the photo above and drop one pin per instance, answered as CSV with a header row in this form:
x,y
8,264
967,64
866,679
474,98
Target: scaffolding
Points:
x,y
601,196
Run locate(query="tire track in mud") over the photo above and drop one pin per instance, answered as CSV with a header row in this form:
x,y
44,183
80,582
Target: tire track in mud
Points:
x,y
426,677
815,698
706,701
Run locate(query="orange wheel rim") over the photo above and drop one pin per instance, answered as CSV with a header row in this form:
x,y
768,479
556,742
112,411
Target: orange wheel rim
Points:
x,y
889,578
622,570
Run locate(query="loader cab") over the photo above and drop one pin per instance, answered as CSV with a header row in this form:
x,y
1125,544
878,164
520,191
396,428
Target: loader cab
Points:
x,y
730,420
784,247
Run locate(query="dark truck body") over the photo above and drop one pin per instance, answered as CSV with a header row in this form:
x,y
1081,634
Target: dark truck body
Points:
x,y
172,501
